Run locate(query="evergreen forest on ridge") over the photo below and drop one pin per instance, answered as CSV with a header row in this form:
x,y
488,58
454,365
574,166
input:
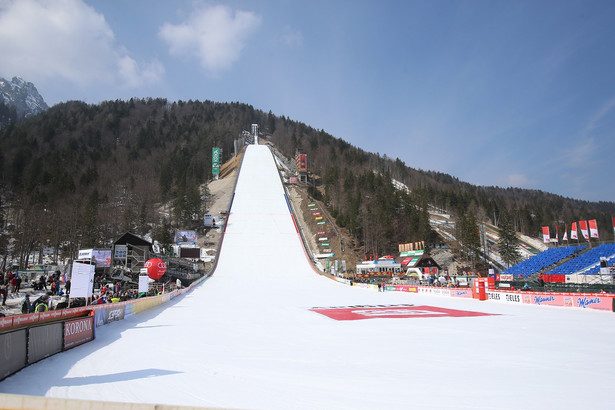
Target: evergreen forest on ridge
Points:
x,y
79,175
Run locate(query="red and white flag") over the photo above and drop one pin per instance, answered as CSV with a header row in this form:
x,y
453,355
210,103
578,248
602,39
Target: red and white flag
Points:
x,y
593,229
573,231
545,234
557,233
584,232
565,237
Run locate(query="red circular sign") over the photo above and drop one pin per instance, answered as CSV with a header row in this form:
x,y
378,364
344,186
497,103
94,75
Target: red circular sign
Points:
x,y
155,268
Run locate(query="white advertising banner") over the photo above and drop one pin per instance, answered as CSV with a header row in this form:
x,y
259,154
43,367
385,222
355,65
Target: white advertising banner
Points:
x,y
82,280
85,254
143,284
505,297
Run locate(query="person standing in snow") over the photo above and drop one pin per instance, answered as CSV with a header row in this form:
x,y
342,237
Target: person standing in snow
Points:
x,y
13,283
17,283
26,305
5,292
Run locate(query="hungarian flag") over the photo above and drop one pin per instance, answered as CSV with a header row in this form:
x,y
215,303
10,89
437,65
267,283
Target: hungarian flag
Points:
x,y
593,229
573,231
545,234
584,232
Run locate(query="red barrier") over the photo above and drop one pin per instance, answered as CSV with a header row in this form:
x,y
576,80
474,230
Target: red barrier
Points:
x,y
6,322
479,289
554,278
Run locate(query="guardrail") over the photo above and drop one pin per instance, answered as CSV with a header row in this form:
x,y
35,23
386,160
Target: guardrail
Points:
x,y
26,345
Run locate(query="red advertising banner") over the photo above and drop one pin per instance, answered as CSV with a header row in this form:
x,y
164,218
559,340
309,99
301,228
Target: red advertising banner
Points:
x,y
6,322
545,234
393,312
584,232
25,319
593,229
50,315
573,231
78,331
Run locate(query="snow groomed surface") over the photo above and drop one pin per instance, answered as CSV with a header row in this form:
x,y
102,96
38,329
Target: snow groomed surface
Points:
x,y
262,333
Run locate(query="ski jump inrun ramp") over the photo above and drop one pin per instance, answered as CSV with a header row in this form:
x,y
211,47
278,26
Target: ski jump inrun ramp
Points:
x,y
249,338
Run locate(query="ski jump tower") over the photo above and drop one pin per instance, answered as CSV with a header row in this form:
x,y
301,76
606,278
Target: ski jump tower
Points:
x,y
255,133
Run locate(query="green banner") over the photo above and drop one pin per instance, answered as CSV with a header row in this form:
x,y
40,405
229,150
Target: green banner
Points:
x,y
215,161
412,253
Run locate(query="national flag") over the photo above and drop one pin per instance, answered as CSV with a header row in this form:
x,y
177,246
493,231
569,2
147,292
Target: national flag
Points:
x,y
593,229
545,234
573,231
583,226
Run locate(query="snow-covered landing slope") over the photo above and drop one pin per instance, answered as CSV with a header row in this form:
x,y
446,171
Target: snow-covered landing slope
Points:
x,y
246,338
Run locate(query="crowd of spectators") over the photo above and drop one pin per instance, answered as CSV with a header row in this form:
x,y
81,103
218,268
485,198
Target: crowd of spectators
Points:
x,y
21,293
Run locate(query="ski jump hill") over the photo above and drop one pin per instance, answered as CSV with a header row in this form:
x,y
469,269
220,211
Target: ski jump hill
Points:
x,y
267,332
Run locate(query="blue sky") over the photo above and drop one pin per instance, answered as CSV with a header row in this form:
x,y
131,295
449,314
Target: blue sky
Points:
x,y
506,93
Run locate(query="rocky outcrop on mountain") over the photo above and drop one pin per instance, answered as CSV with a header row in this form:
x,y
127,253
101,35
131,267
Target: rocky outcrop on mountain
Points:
x,y
22,96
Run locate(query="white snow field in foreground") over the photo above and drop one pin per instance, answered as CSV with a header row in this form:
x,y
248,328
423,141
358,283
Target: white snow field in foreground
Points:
x,y
246,338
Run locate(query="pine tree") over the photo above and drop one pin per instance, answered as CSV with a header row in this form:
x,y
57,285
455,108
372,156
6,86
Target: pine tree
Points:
x,y
471,236
507,245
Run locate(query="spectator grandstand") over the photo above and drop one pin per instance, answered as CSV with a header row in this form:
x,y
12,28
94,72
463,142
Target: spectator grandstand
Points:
x,y
586,263
543,260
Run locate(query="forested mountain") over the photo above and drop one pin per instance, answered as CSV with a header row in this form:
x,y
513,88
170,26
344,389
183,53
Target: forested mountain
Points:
x,y
78,175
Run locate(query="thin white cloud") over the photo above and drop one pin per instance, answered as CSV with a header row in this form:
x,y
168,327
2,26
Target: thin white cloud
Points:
x,y
68,40
579,155
291,37
215,36
577,159
133,75
605,109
